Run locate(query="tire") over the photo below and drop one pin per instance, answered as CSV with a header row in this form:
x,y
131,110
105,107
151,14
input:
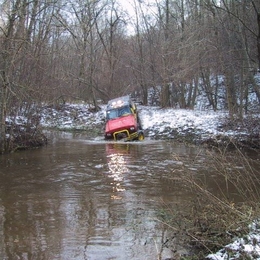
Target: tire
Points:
x,y
140,136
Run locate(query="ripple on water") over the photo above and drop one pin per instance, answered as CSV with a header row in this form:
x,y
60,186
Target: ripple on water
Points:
x,y
77,199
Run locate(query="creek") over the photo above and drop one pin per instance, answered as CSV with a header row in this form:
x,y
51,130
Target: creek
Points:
x,y
89,199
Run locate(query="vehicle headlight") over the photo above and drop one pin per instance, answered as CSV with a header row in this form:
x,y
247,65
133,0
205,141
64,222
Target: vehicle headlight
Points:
x,y
132,128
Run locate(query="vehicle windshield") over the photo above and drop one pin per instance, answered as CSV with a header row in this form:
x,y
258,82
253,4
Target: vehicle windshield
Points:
x,y
118,112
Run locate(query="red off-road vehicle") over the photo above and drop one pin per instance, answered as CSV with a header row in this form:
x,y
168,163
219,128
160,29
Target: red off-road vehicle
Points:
x,y
122,121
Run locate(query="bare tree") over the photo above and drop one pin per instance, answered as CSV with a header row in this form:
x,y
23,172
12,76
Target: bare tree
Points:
x,y
240,49
145,52
111,34
21,56
8,53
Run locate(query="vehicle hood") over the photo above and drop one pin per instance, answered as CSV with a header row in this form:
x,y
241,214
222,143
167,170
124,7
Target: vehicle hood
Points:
x,y
120,123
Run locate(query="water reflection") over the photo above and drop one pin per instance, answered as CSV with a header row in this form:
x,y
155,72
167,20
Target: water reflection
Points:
x,y
117,161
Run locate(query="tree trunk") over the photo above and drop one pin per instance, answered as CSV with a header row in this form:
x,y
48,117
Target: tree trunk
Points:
x,y
3,108
231,94
195,91
209,90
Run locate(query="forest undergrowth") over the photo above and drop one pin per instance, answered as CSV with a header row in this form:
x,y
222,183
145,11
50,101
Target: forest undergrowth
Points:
x,y
210,220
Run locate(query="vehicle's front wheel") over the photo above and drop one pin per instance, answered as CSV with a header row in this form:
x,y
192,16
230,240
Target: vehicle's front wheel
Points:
x,y
140,136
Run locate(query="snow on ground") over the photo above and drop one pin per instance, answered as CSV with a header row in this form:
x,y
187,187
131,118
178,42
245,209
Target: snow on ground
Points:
x,y
160,120
71,117
155,121
242,248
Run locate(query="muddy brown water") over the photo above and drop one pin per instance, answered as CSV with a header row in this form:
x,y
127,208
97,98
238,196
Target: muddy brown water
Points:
x,y
90,199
